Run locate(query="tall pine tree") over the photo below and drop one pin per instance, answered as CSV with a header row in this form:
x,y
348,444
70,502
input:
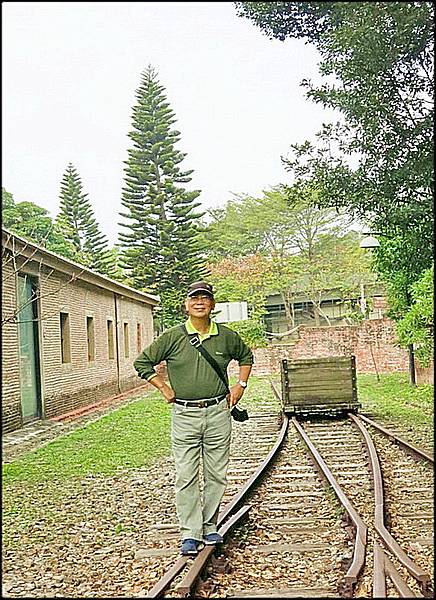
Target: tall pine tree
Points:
x,y
77,223
160,247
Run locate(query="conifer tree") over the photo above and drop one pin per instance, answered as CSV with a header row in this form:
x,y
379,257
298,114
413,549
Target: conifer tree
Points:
x,y
160,247
77,223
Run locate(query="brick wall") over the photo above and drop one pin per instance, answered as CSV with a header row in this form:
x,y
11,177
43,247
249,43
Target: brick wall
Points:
x,y
372,343
424,375
11,404
72,385
133,314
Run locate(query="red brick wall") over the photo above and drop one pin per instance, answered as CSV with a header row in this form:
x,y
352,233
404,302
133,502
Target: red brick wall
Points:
x,y
371,342
424,375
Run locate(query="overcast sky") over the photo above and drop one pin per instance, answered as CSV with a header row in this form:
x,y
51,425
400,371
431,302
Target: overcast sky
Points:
x,y
70,72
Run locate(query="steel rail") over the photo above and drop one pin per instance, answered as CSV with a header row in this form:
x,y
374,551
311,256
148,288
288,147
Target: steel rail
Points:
x,y
199,563
379,579
276,393
401,441
160,586
258,473
361,529
185,586
158,589
379,524
400,585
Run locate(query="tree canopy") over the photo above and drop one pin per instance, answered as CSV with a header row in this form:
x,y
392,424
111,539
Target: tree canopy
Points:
x,y
34,223
159,240
79,227
377,162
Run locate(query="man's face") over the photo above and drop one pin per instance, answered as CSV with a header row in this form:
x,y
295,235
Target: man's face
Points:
x,y
200,305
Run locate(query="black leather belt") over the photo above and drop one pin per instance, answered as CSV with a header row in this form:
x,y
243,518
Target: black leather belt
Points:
x,y
200,403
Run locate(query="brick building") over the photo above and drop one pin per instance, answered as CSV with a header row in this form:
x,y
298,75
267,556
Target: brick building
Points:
x,y
74,339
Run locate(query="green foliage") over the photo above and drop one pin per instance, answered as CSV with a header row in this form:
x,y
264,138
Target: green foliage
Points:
x,y
243,279
252,332
378,162
33,222
160,245
77,224
301,250
417,325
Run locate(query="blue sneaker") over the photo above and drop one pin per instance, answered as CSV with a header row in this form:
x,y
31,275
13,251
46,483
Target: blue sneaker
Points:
x,y
191,546
210,539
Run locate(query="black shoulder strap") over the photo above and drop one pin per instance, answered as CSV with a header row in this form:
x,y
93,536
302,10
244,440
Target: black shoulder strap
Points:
x,y
194,340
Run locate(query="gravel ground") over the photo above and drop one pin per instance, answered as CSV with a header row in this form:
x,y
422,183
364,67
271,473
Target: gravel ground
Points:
x,y
93,537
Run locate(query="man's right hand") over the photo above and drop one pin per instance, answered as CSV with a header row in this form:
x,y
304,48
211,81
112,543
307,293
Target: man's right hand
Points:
x,y
168,393
165,389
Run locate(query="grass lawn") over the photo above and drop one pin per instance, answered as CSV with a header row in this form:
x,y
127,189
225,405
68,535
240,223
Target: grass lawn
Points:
x,y
131,436
137,434
393,399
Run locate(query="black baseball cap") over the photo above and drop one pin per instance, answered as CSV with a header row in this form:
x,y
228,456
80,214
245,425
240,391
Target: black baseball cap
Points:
x,y
200,287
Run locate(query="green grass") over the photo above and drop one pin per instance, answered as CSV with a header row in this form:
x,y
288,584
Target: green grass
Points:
x,y
138,433
35,485
394,399
131,436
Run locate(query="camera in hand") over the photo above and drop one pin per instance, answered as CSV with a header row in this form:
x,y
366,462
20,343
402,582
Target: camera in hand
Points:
x,y
239,415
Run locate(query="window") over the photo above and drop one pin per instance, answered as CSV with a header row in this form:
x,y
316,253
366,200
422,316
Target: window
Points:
x,y
110,338
65,337
90,338
126,339
138,337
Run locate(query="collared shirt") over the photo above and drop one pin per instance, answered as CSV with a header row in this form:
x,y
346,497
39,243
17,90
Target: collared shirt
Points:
x,y
213,330
190,375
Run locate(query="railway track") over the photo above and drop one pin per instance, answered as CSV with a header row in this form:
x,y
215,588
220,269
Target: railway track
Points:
x,y
323,521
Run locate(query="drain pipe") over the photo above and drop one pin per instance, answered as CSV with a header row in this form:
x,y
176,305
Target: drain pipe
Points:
x,y
117,350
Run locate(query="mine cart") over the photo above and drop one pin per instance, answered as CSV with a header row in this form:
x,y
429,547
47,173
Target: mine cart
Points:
x,y
319,385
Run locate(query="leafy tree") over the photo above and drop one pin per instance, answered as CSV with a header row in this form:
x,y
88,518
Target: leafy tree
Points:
x,y
286,229
160,247
335,262
417,325
78,225
33,222
378,162
244,279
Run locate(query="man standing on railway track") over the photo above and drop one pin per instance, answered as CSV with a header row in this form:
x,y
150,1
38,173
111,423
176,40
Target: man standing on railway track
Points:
x,y
202,400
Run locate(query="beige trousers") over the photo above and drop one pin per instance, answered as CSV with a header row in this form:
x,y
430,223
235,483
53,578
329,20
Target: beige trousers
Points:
x,y
200,436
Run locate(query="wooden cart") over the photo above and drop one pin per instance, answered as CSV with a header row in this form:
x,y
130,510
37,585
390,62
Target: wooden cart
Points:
x,y
319,385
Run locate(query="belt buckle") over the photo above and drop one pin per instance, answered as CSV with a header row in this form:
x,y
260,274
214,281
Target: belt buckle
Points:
x,y
202,404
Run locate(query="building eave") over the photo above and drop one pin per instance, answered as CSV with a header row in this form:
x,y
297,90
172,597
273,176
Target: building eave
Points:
x,y
36,253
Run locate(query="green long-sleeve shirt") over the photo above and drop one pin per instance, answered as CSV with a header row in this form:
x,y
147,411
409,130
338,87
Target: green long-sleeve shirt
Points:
x,y
190,375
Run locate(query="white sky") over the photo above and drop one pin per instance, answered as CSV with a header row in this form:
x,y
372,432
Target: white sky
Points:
x,y
70,72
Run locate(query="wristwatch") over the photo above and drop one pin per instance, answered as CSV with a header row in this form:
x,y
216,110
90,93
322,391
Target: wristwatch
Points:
x,y
242,383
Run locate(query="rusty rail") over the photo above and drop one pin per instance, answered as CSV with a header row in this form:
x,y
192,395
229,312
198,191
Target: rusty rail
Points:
x,y
361,529
399,440
379,524
379,578
185,586
203,556
200,561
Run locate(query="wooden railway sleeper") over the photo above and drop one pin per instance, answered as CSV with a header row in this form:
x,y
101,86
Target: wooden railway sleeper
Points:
x,y
200,561
360,527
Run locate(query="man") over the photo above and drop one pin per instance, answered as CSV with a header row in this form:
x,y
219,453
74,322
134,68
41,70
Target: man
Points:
x,y
201,420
